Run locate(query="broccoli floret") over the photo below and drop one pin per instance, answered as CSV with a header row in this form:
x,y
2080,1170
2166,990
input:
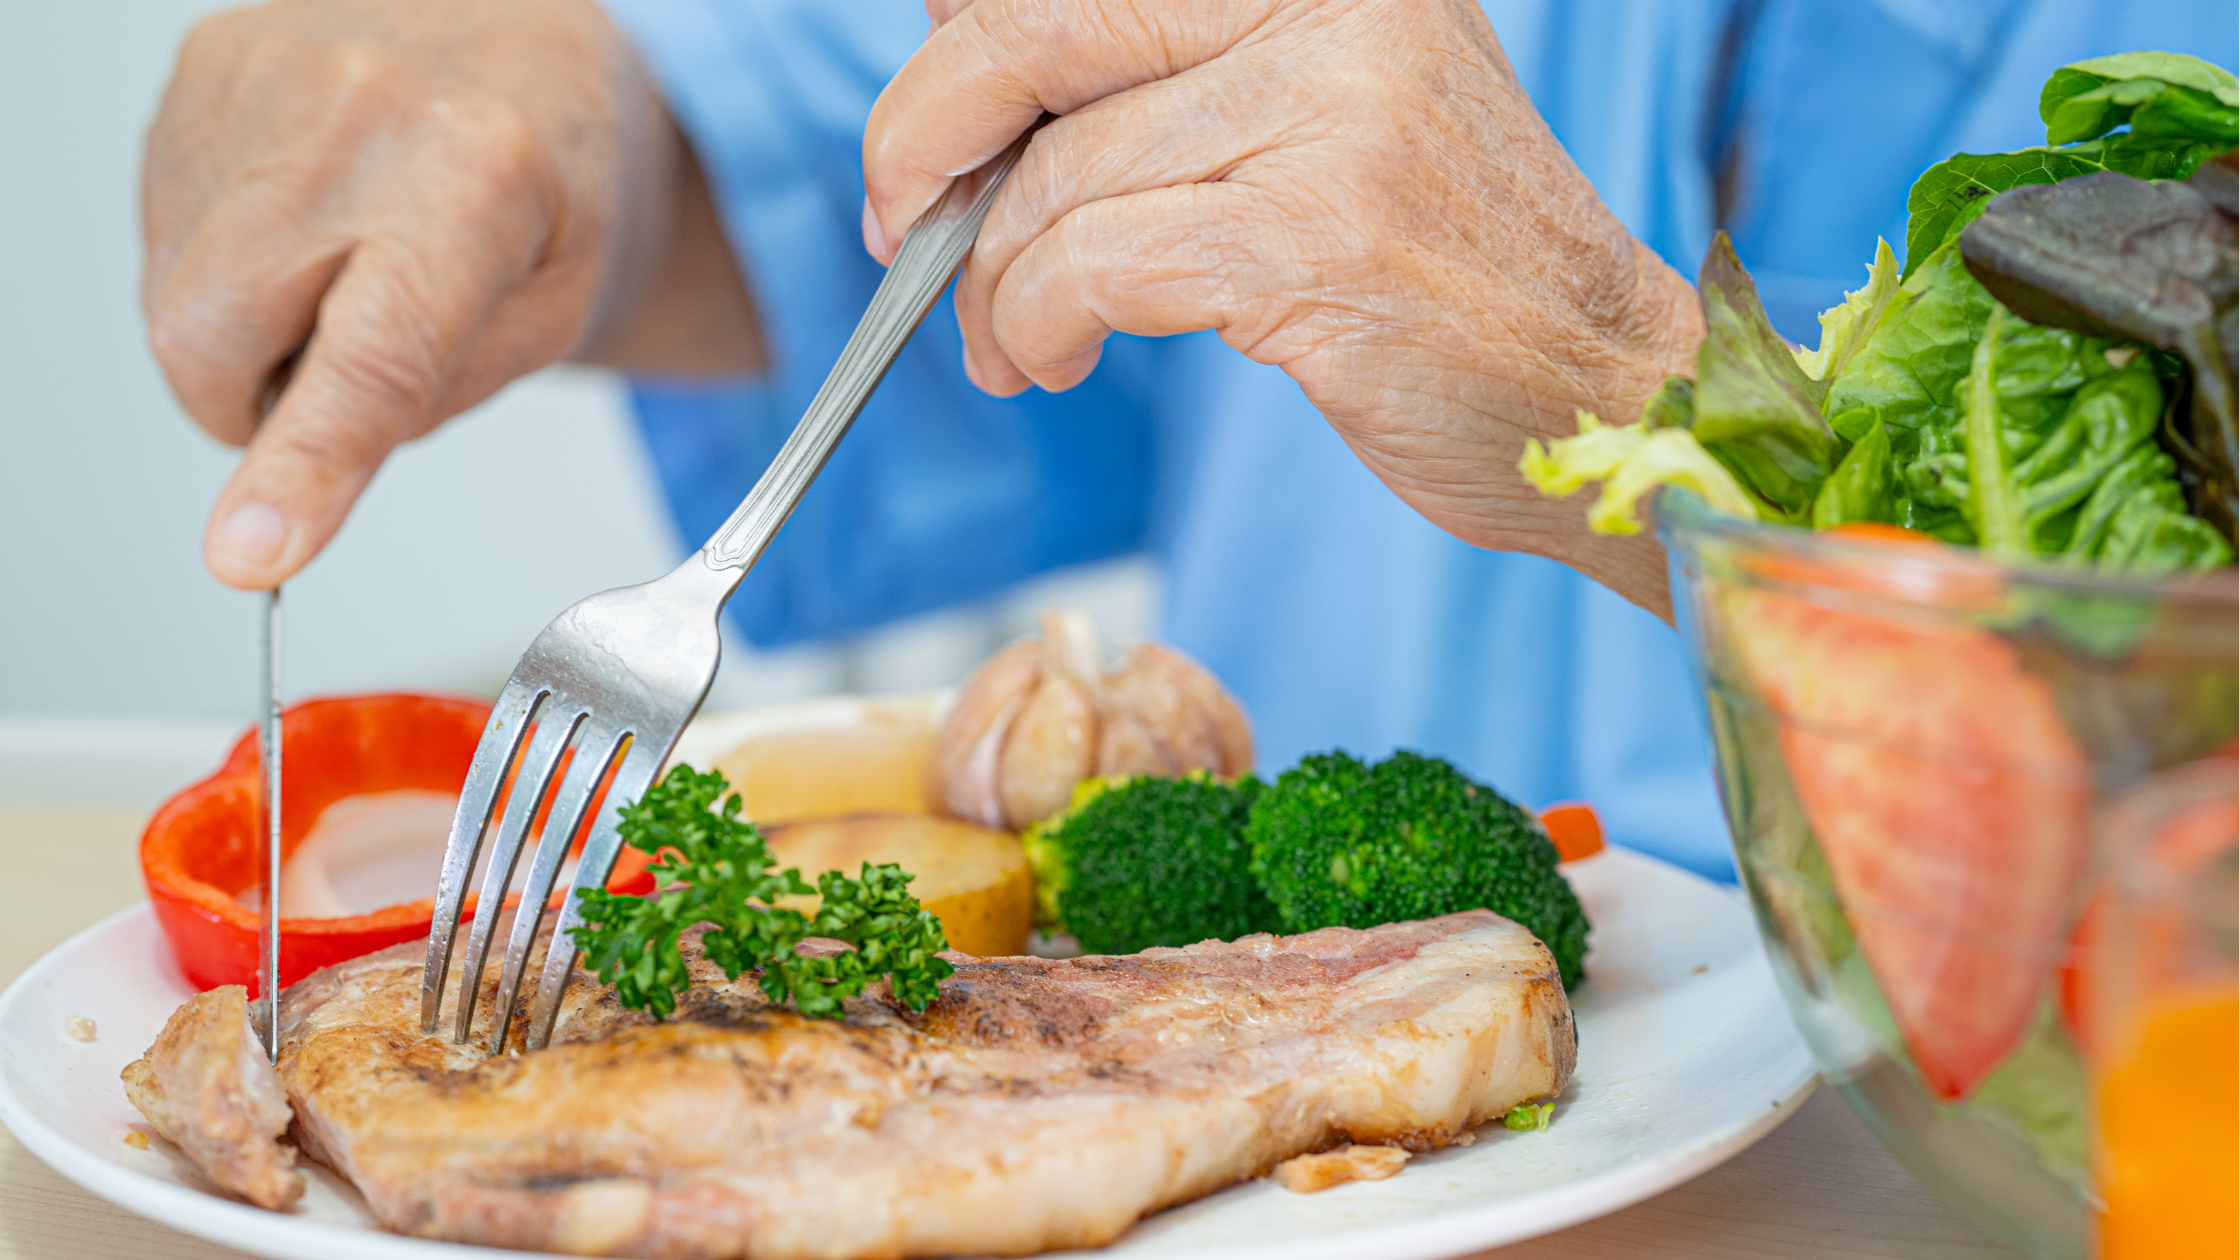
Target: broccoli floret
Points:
x,y
1339,843
1137,862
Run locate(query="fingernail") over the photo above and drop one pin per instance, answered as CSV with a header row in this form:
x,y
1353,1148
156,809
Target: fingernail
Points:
x,y
875,236
254,535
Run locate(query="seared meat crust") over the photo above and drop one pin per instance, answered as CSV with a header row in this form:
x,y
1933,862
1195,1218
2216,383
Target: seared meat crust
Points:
x,y
1037,1104
207,1087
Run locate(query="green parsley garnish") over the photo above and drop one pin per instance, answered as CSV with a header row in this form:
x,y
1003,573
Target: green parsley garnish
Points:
x,y
714,867
1529,1117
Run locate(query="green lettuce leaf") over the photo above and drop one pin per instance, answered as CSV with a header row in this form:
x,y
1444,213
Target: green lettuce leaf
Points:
x,y
1863,487
2041,1095
1630,461
1844,329
2060,458
1904,379
1673,406
1755,409
1930,405
1994,501
2136,521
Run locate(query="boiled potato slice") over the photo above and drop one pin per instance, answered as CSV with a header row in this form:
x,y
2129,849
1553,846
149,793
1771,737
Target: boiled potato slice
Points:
x,y
874,767
974,880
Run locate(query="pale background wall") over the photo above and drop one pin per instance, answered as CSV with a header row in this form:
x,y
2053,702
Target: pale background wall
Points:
x,y
110,630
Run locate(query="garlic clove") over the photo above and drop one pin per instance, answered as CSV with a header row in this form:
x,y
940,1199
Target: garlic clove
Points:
x,y
1133,746
1231,730
1043,714
975,792
1051,746
1166,710
1069,644
962,771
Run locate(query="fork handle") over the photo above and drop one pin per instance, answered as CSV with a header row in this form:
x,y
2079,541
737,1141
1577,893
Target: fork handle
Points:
x,y
931,252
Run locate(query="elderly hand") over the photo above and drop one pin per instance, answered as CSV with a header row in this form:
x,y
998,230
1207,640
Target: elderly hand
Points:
x,y
1355,190
392,207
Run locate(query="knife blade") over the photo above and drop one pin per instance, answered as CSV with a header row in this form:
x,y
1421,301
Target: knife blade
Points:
x,y
268,973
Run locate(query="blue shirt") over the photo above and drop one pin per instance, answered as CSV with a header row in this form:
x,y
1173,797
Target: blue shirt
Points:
x,y
1339,616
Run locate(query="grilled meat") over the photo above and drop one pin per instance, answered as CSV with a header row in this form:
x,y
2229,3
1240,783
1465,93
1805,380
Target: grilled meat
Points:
x,y
1037,1104
208,1088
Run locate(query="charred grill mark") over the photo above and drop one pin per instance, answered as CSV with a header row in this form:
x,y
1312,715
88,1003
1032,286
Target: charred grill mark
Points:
x,y
1030,1008
428,1074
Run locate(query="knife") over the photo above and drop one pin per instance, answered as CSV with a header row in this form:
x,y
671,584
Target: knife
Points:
x,y
267,1012
268,973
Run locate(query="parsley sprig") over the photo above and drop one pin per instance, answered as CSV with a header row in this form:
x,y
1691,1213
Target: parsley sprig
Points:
x,y
714,867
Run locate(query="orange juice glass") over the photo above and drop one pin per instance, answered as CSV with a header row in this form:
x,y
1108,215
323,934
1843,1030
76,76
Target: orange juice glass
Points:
x,y
2165,1021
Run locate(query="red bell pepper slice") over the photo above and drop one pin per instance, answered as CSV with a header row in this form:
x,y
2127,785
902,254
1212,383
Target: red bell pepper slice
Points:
x,y
1575,828
203,847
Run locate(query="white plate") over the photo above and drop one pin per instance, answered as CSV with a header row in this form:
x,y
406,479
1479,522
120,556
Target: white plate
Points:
x,y
1685,1057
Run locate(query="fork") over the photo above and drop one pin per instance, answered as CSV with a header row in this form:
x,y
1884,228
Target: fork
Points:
x,y
612,681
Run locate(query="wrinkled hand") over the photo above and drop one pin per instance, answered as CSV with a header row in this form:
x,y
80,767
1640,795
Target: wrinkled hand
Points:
x,y
1355,190
426,198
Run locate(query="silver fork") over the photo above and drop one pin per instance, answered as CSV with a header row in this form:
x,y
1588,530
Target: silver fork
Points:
x,y
617,676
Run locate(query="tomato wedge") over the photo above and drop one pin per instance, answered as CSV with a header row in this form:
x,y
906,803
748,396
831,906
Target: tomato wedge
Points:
x,y
1882,531
1918,567
1951,803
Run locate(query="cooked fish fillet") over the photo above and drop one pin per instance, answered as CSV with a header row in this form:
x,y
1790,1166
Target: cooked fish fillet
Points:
x,y
207,1087
1037,1104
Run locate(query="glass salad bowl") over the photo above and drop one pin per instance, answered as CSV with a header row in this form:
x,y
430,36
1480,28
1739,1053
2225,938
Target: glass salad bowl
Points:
x,y
1932,766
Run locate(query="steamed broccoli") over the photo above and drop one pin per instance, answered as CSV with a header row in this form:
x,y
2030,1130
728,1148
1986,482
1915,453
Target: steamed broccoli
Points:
x,y
1336,842
1141,861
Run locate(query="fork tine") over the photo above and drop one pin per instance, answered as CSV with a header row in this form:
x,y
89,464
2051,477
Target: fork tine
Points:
x,y
639,767
569,804
530,786
478,799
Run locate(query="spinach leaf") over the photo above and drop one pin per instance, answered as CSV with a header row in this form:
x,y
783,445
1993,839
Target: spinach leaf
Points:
x,y
1949,195
1755,409
2157,93
2180,111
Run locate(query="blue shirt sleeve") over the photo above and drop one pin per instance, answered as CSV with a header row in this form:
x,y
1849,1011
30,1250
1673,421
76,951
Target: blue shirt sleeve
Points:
x,y
940,494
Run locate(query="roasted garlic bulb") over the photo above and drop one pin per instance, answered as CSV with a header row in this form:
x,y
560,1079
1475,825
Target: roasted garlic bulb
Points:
x,y
1043,714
